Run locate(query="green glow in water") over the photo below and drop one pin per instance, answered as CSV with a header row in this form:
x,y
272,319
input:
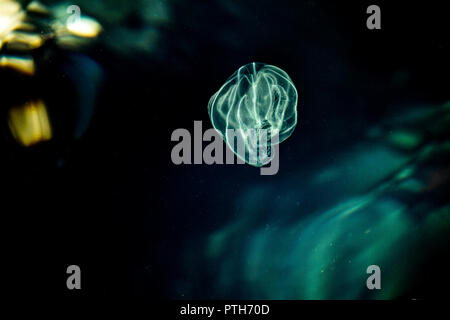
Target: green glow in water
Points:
x,y
257,107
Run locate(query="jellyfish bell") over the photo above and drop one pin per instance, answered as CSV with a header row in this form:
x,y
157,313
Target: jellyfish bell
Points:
x,y
257,108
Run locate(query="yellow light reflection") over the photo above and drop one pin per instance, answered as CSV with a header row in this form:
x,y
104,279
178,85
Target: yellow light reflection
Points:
x,y
37,7
22,64
23,41
8,7
84,27
29,123
11,16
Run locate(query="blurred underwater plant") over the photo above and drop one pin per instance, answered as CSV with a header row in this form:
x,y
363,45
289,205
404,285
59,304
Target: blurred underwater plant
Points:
x,y
387,200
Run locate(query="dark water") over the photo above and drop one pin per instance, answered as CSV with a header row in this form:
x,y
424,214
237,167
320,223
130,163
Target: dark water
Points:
x,y
363,179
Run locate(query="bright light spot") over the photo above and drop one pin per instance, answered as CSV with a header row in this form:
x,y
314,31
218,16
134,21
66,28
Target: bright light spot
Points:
x,y
29,123
84,27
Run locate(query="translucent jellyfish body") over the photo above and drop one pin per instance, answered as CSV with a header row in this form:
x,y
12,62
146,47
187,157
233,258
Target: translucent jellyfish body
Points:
x,y
255,110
